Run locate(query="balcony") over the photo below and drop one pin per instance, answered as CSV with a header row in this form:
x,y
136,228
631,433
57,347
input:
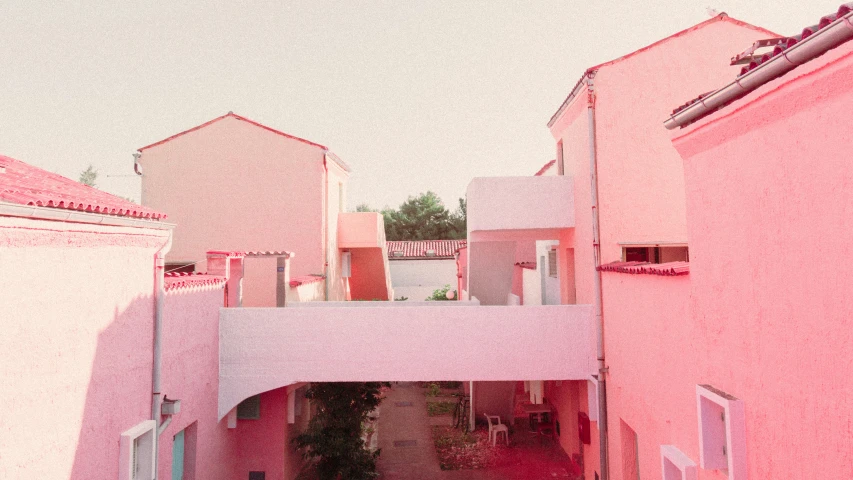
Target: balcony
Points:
x,y
361,230
265,348
519,207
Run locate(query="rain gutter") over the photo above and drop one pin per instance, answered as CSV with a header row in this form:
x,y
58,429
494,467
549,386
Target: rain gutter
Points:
x,y
834,34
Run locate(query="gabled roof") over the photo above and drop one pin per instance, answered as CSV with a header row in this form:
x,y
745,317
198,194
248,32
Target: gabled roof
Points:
x,y
25,184
237,117
545,168
723,17
419,249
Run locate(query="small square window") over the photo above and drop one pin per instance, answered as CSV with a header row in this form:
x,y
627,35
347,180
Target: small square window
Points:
x,y
722,433
676,465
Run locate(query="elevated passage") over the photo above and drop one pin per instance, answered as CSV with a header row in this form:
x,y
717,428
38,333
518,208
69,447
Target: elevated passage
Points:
x,y
266,348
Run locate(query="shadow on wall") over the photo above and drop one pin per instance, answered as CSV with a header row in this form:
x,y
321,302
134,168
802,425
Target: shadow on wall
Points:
x,y
118,396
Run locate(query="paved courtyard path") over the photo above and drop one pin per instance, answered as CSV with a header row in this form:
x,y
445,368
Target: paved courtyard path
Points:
x,y
405,436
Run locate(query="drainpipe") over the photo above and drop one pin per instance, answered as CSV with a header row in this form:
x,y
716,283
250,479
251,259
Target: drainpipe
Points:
x,y
159,300
326,230
596,246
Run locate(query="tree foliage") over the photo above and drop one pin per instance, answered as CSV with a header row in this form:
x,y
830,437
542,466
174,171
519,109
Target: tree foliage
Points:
x,y
334,435
423,217
89,176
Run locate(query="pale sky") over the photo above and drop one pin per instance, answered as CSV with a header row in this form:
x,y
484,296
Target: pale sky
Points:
x,y
415,96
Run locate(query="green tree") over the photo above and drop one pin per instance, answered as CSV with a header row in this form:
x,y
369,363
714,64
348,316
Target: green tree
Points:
x,y
334,435
363,207
89,176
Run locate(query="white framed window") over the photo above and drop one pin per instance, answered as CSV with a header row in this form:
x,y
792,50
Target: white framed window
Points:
x,y
722,432
136,452
655,253
675,465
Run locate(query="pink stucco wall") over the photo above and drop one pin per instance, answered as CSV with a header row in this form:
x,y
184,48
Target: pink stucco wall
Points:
x,y
233,185
652,379
768,192
640,174
76,365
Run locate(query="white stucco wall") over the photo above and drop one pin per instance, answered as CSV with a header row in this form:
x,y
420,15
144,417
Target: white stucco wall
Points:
x,y
417,279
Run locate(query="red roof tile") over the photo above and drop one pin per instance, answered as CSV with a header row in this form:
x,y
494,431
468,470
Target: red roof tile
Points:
x,y
266,253
545,168
175,281
751,60
645,268
238,117
404,250
25,184
527,265
305,279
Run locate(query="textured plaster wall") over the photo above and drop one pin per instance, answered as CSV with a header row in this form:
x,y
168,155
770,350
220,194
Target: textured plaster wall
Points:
x,y
235,186
654,353
417,279
441,342
641,179
770,298
507,203
76,365
490,271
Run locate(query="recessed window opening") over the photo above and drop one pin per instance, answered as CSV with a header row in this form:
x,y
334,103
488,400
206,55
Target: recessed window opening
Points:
x,y
655,254
561,167
552,263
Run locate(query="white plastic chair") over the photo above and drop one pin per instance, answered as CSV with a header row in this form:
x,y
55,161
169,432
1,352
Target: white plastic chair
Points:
x,y
495,429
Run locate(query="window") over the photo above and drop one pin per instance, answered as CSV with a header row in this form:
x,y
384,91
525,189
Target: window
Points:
x,y
675,465
136,452
655,254
250,408
630,452
561,166
552,263
722,434
180,267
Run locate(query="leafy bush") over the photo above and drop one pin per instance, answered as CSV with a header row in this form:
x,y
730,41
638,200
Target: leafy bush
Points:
x,y
334,435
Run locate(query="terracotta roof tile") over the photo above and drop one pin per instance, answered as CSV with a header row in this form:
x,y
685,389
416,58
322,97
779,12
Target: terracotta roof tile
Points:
x,y
305,279
644,268
175,281
265,253
527,265
751,59
545,168
406,250
25,184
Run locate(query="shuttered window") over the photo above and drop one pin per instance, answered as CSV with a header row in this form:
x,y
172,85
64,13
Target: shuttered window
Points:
x,y
552,263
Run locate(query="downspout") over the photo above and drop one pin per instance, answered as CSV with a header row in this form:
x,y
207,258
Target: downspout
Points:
x,y
326,229
159,300
596,247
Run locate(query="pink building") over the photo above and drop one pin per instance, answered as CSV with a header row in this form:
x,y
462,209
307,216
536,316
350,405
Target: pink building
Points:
x,y
239,185
717,374
420,267
78,364
639,198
